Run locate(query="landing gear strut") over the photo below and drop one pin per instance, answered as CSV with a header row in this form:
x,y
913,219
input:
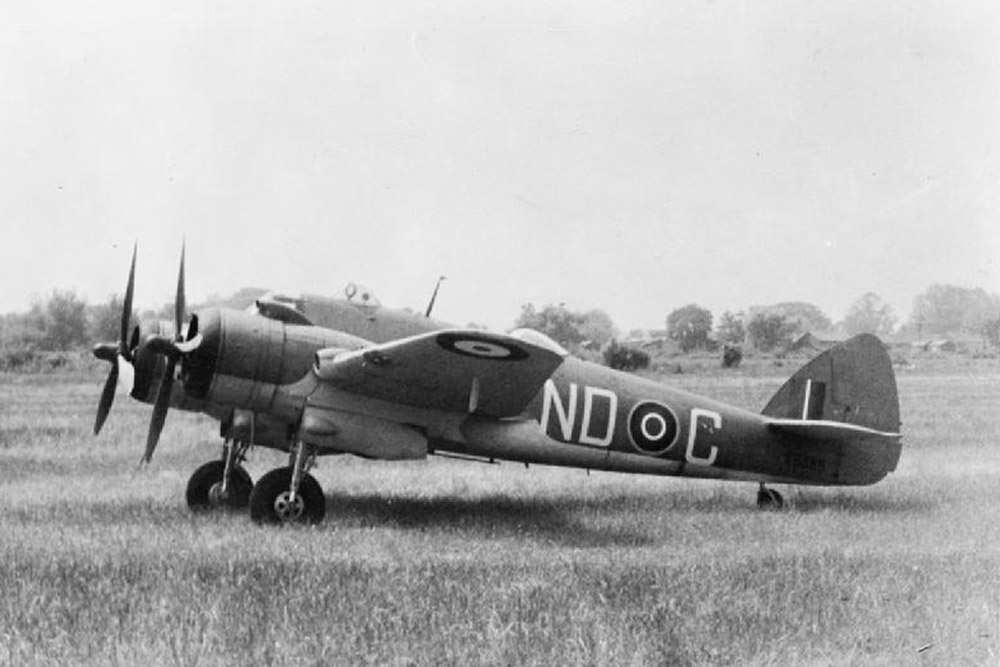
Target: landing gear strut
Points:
x,y
289,495
221,484
769,499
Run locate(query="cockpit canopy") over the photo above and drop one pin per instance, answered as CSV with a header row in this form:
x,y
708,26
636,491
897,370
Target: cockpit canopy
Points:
x,y
296,301
297,308
282,307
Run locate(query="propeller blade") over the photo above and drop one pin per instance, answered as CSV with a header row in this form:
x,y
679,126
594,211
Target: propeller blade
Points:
x,y
116,353
107,398
160,410
173,349
179,302
123,347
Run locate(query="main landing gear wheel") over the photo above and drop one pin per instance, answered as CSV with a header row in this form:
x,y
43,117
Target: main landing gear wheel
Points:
x,y
204,489
769,499
271,500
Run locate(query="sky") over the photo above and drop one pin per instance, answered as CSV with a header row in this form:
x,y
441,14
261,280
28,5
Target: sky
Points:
x,y
629,156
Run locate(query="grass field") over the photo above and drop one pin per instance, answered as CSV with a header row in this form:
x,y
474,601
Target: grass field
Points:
x,y
445,562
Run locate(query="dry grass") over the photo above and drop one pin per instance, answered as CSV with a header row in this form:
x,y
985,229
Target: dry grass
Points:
x,y
443,562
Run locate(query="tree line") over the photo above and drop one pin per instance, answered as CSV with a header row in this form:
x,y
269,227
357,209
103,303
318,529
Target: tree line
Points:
x,y
941,311
65,321
62,321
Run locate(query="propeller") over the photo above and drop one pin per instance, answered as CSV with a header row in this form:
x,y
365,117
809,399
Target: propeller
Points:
x,y
174,350
115,353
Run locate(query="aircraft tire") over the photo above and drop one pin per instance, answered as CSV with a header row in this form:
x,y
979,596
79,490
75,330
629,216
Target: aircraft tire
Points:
x,y
269,499
769,499
200,497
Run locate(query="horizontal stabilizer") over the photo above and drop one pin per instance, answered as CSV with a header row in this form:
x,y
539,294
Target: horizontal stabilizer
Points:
x,y
829,430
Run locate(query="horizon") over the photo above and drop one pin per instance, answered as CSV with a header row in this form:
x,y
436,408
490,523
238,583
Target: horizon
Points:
x,y
900,325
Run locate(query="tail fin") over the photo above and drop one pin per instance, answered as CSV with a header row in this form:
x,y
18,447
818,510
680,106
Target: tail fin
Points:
x,y
852,383
843,403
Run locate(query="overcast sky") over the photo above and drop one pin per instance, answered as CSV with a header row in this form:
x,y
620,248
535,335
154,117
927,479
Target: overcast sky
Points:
x,y
633,157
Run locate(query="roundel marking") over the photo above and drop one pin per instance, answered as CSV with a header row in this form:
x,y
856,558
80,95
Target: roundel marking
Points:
x,y
652,427
480,349
481,346
659,426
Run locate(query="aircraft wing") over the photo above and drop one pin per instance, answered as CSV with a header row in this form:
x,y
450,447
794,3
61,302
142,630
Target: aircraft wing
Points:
x,y
481,373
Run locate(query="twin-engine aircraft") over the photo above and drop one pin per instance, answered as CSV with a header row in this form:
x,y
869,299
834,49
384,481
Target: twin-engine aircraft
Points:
x,y
313,377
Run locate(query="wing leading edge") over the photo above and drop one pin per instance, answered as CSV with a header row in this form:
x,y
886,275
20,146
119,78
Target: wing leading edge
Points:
x,y
489,374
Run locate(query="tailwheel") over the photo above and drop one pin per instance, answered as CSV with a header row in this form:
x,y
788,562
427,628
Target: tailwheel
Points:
x,y
205,488
273,500
769,499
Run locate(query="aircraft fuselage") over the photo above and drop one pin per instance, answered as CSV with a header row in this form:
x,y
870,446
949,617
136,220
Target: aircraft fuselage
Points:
x,y
585,415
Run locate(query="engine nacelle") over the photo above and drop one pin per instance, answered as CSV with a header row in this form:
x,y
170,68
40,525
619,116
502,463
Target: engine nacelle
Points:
x,y
244,360
362,435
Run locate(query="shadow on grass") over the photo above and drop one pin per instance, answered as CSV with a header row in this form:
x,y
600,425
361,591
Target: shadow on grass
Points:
x,y
627,519
489,517
497,517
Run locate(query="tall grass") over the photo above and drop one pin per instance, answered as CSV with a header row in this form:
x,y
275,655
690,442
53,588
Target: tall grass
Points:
x,y
445,562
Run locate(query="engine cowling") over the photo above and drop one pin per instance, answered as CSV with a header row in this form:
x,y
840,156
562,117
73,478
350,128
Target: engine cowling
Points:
x,y
243,359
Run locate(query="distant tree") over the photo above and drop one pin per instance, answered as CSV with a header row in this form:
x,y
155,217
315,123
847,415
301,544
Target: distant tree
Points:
x,y
106,318
767,331
690,326
730,329
20,331
62,320
241,299
556,322
869,314
799,316
948,309
597,327
732,355
624,357
164,312
566,327
529,318
991,332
